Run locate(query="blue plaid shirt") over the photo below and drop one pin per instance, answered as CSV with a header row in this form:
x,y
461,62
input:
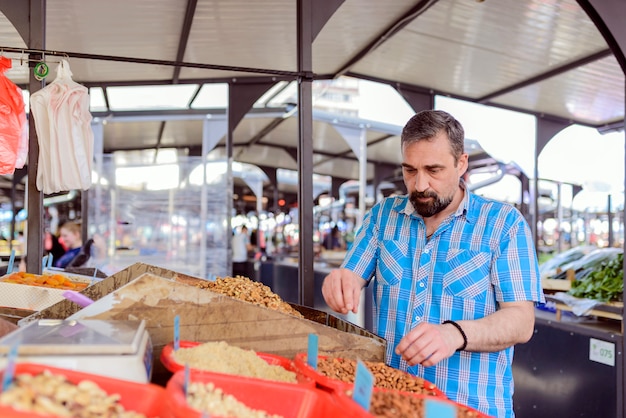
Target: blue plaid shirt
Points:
x,y
480,255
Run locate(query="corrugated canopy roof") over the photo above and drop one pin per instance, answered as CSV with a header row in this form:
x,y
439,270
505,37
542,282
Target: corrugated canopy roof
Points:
x,y
542,57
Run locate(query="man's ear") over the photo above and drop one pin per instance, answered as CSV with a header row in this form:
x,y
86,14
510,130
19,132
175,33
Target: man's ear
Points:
x,y
463,164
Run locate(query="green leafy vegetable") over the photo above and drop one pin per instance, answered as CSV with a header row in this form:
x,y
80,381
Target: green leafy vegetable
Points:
x,y
604,283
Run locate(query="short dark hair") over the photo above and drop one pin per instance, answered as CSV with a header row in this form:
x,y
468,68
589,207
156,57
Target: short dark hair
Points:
x,y
428,123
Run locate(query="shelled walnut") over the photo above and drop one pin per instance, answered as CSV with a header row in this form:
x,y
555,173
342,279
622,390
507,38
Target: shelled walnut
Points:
x,y
247,290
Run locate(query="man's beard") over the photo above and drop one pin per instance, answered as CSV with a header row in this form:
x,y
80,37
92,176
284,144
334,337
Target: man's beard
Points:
x,y
429,208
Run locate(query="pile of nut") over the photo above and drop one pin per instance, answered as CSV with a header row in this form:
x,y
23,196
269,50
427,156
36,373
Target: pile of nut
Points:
x,y
247,290
396,405
52,394
385,377
210,399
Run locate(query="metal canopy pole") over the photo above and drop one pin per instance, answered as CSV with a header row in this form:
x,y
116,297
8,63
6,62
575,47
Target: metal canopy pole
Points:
x,y
608,16
306,279
34,240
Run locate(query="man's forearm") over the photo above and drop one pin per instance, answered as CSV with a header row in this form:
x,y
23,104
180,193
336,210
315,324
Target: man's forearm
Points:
x,y
512,324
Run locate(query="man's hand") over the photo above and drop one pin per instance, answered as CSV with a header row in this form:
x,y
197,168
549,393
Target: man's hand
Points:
x,y
428,344
342,290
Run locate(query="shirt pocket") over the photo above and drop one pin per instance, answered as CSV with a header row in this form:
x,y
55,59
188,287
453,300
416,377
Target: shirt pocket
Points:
x,y
467,274
394,263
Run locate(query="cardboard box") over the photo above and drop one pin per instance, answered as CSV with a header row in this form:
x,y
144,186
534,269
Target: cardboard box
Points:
x,y
152,293
14,315
65,308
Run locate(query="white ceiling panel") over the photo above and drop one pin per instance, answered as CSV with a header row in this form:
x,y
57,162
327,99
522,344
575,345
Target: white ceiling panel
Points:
x,y
181,133
265,156
592,93
343,168
474,48
387,151
131,135
138,28
350,29
241,33
248,128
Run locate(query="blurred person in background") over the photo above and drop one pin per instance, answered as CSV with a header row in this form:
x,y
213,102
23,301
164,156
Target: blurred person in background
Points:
x,y
70,235
333,240
241,246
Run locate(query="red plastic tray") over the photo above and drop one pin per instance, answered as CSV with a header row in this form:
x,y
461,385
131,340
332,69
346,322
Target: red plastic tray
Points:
x,y
145,398
285,399
167,358
327,383
354,410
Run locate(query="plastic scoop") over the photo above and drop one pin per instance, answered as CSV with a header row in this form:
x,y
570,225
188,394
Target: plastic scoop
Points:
x,y
77,298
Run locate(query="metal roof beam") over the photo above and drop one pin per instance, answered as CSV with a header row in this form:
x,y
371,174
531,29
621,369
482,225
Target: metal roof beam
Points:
x,y
184,37
387,33
546,75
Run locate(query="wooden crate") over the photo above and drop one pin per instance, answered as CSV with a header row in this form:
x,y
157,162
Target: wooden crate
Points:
x,y
608,310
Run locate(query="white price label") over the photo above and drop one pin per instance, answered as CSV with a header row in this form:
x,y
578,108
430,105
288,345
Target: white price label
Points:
x,y
602,352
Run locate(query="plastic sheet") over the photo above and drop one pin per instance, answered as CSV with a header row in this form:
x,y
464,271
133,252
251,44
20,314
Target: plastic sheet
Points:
x,y
13,126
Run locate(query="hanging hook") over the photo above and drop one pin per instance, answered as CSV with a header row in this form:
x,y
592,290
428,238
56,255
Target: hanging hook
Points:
x,y
41,70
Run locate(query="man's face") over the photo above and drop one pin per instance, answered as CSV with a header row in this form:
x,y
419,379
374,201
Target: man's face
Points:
x,y
430,174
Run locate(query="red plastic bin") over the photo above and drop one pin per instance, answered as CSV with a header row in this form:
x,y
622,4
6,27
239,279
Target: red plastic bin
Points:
x,y
336,385
145,398
285,399
167,359
354,410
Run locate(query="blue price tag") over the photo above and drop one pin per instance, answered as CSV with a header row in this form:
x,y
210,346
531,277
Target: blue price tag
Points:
x,y
311,355
363,386
9,370
11,261
176,332
439,409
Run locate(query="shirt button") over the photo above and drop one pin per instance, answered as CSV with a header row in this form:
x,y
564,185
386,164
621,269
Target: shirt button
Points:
x,y
426,250
421,284
417,319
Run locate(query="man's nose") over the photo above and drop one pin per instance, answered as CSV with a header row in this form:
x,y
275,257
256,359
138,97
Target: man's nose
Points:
x,y
420,183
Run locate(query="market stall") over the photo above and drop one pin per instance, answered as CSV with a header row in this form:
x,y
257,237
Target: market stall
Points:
x,y
185,337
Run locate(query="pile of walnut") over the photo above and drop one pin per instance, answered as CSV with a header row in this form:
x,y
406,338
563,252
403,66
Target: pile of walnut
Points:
x,y
397,405
53,394
247,290
385,377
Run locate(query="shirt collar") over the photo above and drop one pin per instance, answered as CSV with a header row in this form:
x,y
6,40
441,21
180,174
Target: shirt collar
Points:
x,y
405,206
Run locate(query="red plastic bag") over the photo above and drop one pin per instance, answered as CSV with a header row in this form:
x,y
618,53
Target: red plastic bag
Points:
x,y
13,133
